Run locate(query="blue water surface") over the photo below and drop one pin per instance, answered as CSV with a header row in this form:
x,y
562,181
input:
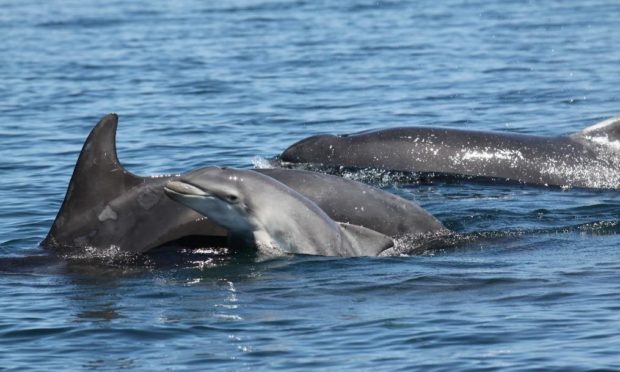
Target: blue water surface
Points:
x,y
235,82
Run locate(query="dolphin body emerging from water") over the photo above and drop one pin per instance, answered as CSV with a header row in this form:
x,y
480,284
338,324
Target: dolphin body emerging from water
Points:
x,y
263,213
589,159
107,207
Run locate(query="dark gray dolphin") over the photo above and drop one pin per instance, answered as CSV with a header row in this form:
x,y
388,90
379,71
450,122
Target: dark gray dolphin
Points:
x,y
271,217
108,208
590,158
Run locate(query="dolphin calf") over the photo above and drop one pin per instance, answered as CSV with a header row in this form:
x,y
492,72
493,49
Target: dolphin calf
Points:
x,y
589,158
266,214
107,207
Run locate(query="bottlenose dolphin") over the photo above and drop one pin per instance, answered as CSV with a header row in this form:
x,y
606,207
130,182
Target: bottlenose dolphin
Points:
x,y
268,215
590,158
108,208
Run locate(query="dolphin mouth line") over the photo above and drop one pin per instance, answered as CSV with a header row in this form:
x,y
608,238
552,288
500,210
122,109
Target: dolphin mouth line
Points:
x,y
184,189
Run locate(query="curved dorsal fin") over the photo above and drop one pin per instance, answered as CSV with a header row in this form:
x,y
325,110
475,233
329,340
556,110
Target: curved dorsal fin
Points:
x,y
98,176
609,128
98,170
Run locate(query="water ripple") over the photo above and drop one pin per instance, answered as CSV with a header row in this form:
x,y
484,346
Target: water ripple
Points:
x,y
528,280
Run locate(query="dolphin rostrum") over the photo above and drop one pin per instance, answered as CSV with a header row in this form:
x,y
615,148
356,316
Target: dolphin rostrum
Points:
x,y
589,159
268,215
107,207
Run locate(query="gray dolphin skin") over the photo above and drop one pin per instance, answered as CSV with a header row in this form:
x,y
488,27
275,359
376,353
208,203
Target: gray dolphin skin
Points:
x,y
107,207
589,159
351,201
264,213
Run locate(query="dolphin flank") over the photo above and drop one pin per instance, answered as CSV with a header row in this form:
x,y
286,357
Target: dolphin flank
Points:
x,y
589,159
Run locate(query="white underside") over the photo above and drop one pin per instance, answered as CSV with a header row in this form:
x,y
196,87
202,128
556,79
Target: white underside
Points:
x,y
266,245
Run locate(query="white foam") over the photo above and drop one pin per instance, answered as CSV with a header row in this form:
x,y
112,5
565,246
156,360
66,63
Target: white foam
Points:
x,y
496,154
261,163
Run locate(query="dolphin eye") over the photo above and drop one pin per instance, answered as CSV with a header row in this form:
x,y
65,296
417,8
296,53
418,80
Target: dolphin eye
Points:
x,y
232,198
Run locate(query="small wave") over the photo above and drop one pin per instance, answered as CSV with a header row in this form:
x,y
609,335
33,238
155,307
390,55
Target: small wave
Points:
x,y
32,265
429,245
82,22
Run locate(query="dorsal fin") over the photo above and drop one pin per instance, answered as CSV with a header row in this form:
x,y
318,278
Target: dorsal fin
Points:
x,y
98,176
98,170
609,128
364,241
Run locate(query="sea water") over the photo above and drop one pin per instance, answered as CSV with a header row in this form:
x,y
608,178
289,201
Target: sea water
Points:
x,y
234,83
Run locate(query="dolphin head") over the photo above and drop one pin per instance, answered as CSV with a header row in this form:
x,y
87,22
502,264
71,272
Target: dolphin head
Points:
x,y
218,193
310,150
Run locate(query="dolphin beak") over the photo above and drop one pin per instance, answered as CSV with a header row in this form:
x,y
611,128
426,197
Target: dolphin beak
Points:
x,y
183,188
